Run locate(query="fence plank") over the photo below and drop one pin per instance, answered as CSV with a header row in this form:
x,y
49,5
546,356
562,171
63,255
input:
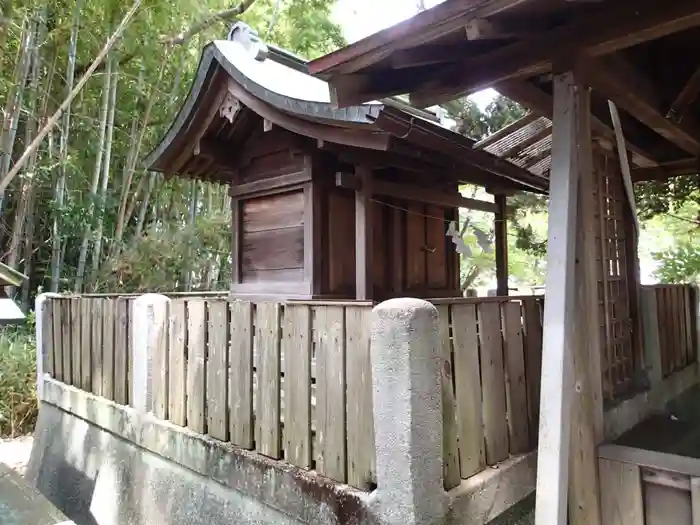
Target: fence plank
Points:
x,y
177,379
361,459
267,347
47,336
493,383
121,334
75,328
217,370
620,493
160,367
690,325
86,344
196,364
450,441
96,345
57,339
66,344
296,348
516,391
329,334
108,349
129,351
695,499
241,389
533,364
663,330
472,455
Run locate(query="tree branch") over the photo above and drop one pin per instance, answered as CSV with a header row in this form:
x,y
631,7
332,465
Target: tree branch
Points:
x,y
198,27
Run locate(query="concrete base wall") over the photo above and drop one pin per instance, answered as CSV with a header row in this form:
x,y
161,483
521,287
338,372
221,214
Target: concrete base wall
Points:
x,y
104,464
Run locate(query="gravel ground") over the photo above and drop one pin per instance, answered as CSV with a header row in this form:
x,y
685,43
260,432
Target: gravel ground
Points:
x,y
15,452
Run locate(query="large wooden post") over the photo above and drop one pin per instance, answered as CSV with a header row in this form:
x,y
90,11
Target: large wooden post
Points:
x,y
501,241
364,284
565,403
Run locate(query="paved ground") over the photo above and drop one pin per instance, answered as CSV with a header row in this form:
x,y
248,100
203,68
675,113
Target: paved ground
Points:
x,y
15,452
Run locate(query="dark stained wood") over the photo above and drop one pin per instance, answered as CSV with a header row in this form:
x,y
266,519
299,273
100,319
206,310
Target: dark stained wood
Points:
x,y
279,249
269,277
236,240
436,255
501,244
619,81
272,183
685,98
603,31
666,171
363,236
398,247
415,247
285,210
380,249
312,238
341,251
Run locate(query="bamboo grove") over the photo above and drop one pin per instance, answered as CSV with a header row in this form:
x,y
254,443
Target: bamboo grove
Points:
x,y
82,215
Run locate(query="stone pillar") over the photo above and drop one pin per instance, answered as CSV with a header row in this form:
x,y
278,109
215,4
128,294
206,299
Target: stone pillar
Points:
x,y
407,406
41,352
149,323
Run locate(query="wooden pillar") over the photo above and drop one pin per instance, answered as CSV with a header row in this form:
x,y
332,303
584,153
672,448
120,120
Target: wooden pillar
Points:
x,y
364,283
565,400
501,241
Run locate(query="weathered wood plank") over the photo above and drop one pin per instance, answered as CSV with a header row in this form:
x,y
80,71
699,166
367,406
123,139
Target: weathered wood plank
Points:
x,y
690,326
57,339
296,348
329,336
533,364
47,337
108,349
361,458
268,359
695,499
121,347
217,370
177,361
450,441
196,365
620,493
472,454
493,383
160,368
96,345
75,328
86,344
241,384
516,391
65,341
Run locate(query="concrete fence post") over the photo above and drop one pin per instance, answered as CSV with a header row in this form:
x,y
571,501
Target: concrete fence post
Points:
x,y
149,324
41,352
407,405
652,343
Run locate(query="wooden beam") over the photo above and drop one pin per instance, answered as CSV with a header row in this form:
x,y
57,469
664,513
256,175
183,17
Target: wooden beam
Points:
x,y
617,80
559,312
506,130
483,29
680,168
541,102
610,28
273,183
415,193
364,283
424,27
685,98
501,242
624,162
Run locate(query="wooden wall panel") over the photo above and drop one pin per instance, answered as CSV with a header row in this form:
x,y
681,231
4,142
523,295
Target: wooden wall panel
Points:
x,y
341,242
279,249
435,253
381,246
285,210
620,493
415,247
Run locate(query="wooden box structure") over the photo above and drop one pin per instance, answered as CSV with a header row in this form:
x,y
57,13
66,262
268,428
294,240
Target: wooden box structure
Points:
x,y
349,203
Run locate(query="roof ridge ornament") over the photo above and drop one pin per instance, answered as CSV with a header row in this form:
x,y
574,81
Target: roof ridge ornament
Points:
x,y
247,36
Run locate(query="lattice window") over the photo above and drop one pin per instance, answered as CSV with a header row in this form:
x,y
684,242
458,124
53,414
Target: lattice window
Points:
x,y
617,341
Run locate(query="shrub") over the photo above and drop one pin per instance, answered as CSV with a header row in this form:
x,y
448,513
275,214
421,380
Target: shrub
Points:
x,y
18,404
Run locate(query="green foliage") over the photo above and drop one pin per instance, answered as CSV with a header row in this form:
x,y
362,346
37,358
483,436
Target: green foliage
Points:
x,y
18,405
680,264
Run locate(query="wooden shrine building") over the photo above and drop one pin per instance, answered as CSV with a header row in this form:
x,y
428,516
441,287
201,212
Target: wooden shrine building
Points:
x,y
614,90
349,203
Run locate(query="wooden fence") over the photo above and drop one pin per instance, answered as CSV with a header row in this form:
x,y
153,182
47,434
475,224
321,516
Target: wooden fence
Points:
x,y
676,306
491,400
292,381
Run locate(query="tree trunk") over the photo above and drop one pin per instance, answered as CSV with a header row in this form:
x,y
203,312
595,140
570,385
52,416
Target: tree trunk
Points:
x,y
82,258
144,207
60,190
97,251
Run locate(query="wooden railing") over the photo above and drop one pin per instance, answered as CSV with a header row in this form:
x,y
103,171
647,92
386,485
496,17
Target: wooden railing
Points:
x,y
675,306
292,381
491,400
